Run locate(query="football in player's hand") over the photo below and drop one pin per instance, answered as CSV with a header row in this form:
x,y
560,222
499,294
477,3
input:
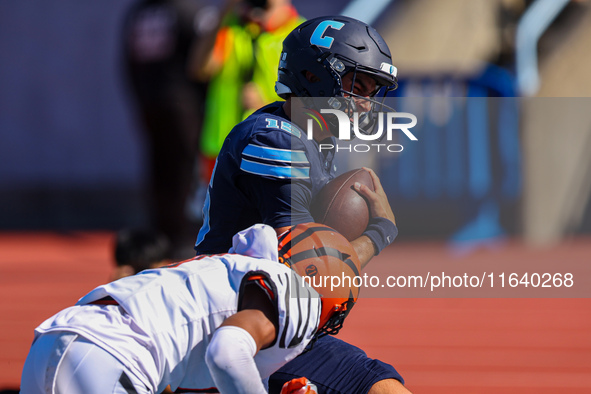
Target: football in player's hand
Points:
x,y
339,206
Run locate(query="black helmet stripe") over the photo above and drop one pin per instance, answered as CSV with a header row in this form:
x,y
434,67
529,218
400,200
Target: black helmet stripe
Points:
x,y
294,241
352,265
319,252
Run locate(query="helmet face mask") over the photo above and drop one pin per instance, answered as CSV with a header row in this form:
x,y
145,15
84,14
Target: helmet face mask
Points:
x,y
334,49
335,322
316,252
362,109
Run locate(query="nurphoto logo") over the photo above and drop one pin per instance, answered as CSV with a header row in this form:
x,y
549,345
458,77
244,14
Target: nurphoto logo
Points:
x,y
386,124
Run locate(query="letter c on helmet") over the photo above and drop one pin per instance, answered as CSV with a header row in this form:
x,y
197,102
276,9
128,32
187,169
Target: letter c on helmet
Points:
x,y
317,38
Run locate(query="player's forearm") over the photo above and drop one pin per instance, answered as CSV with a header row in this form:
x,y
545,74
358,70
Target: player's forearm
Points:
x,y
364,248
230,359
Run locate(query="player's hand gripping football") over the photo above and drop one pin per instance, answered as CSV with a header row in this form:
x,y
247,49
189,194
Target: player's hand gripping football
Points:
x,y
299,386
377,200
379,235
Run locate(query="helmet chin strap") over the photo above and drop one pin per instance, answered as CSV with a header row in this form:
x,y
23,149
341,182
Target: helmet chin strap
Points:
x,y
362,122
368,121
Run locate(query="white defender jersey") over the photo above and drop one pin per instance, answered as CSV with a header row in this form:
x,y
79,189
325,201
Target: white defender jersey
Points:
x,y
164,318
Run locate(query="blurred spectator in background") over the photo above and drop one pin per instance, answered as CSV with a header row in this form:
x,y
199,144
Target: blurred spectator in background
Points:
x,y
161,43
241,67
136,250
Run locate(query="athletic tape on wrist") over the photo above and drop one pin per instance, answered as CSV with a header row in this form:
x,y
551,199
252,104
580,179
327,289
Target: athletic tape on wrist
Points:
x,y
382,233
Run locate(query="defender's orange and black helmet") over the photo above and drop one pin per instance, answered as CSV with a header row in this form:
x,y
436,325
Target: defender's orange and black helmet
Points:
x,y
320,253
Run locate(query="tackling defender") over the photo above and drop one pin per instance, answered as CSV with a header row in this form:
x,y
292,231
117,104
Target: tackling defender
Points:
x,y
268,171
211,323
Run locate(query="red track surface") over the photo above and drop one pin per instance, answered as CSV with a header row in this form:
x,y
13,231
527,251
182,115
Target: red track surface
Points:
x,y
460,345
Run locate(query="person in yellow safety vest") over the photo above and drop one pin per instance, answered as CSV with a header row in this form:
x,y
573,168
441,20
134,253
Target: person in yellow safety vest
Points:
x,y
242,69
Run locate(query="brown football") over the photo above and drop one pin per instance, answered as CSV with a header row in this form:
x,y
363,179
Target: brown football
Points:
x,y
339,206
